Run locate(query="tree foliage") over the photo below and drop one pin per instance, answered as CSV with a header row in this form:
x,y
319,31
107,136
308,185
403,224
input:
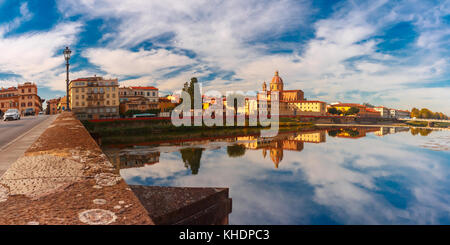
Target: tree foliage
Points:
x,y
235,150
427,114
190,89
191,158
352,111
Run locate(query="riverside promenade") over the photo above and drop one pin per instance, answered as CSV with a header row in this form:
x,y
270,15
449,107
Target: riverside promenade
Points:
x,y
64,178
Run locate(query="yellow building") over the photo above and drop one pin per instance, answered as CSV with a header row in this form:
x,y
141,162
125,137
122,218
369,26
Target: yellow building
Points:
x,y
306,107
62,104
312,137
94,97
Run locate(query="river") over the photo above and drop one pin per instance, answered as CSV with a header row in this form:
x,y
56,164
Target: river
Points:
x,y
364,175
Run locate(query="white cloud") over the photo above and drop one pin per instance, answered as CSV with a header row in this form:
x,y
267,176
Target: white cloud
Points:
x,y
224,35
36,56
121,62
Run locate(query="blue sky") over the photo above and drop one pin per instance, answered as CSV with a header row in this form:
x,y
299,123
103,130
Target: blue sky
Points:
x,y
392,53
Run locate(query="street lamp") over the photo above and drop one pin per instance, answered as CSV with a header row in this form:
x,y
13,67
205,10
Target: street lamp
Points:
x,y
67,52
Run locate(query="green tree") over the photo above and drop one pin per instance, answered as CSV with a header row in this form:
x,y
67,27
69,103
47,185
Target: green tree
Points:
x,y
352,111
191,158
332,111
425,113
235,150
190,88
415,112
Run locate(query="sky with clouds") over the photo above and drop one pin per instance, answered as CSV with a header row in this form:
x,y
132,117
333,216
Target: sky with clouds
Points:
x,y
392,53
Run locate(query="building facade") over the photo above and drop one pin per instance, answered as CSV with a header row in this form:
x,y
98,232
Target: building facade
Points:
x,y
52,106
94,98
151,93
400,113
23,97
384,112
135,103
128,97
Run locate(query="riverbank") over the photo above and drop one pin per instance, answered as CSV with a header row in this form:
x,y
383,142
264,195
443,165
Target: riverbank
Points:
x,y
119,132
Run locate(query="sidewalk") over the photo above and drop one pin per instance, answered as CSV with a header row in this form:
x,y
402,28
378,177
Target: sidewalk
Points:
x,y
16,148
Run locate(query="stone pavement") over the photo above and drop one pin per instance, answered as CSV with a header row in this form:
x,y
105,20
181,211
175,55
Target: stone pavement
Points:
x,y
64,178
16,148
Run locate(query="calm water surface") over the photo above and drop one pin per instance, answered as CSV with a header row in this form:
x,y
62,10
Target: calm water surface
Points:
x,y
347,176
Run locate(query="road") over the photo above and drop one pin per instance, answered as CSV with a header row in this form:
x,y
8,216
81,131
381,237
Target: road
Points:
x,y
17,136
10,130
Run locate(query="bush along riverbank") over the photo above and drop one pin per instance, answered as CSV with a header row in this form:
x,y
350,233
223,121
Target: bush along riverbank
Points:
x,y
122,132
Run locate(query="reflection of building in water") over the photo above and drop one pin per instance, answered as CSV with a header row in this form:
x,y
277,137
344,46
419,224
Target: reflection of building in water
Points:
x,y
391,130
315,137
131,159
357,132
276,145
398,130
383,131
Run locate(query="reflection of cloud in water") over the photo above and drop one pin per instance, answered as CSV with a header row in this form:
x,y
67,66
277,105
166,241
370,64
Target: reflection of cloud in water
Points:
x,y
371,180
441,143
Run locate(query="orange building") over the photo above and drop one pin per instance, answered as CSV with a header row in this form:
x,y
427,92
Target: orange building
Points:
x,y
23,97
135,103
52,106
165,104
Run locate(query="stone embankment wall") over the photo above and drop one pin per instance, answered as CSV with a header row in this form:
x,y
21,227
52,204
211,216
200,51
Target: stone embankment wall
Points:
x,y
64,178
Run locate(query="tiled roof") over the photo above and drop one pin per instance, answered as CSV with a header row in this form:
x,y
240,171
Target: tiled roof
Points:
x,y
145,88
349,104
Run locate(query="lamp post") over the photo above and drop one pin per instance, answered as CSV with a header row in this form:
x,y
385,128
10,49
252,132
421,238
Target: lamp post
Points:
x,y
67,52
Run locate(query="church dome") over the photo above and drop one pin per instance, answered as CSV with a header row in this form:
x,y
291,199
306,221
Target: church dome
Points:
x,y
276,78
277,83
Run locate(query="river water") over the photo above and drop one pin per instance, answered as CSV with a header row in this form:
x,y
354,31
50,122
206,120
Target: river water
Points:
x,y
326,176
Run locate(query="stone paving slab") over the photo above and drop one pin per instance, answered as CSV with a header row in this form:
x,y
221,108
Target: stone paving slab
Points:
x,y
64,178
11,152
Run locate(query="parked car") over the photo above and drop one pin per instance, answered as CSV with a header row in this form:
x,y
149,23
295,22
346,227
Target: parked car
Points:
x,y
11,114
29,112
41,113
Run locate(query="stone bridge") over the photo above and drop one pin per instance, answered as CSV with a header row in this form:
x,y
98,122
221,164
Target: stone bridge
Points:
x,y
64,178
